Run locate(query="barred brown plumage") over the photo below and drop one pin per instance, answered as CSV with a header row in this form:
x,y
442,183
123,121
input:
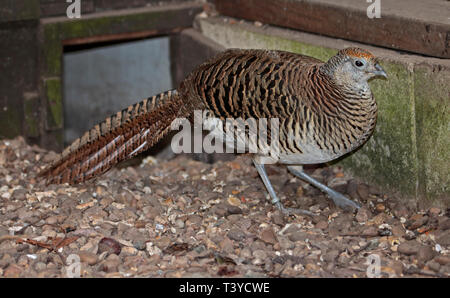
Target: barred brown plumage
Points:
x,y
119,137
325,110
313,110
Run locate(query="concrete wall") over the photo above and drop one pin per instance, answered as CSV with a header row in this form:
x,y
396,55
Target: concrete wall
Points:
x,y
409,151
59,7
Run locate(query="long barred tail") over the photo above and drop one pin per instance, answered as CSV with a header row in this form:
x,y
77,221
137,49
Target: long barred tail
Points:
x,y
119,137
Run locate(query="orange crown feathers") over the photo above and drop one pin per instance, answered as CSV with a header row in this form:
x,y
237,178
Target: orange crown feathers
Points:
x,y
357,52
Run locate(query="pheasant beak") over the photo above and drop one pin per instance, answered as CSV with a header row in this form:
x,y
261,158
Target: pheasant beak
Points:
x,y
379,71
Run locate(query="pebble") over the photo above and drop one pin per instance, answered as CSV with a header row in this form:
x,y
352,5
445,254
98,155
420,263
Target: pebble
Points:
x,y
322,225
444,238
233,201
370,231
434,211
400,210
268,236
22,261
352,187
278,218
40,266
425,253
12,271
285,243
297,236
110,266
233,210
226,245
445,269
363,191
236,234
398,230
260,254
88,258
109,245
362,215
416,221
443,260
380,207
409,247
445,225
129,250
331,256
179,223
410,235
433,265
85,205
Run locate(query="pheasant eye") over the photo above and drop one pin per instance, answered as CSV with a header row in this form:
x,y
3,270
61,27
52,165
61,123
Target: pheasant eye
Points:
x,y
359,63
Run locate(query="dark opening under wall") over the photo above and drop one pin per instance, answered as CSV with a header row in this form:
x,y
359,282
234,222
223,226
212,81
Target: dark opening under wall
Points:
x,y
101,80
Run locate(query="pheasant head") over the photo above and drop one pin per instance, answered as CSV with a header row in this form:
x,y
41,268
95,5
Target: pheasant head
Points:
x,y
351,68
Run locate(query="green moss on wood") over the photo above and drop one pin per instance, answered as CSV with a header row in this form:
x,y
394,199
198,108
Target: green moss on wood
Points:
x,y
432,96
235,37
19,10
112,24
52,50
53,93
54,33
31,116
10,122
389,157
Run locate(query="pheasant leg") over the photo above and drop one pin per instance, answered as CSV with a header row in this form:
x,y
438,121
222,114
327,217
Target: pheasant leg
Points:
x,y
275,200
339,199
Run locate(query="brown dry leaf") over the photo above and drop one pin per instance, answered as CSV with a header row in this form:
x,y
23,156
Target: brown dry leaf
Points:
x,y
234,165
85,205
390,271
425,229
380,207
224,271
168,201
61,242
2,158
300,191
177,247
224,260
66,228
34,242
140,224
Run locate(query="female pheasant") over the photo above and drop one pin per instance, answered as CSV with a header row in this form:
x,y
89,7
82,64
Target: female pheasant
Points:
x,y
324,111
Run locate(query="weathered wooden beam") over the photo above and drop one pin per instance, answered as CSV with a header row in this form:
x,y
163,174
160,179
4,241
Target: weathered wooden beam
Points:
x,y
126,24
411,25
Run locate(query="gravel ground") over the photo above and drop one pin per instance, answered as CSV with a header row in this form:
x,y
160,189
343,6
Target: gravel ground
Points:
x,y
185,218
